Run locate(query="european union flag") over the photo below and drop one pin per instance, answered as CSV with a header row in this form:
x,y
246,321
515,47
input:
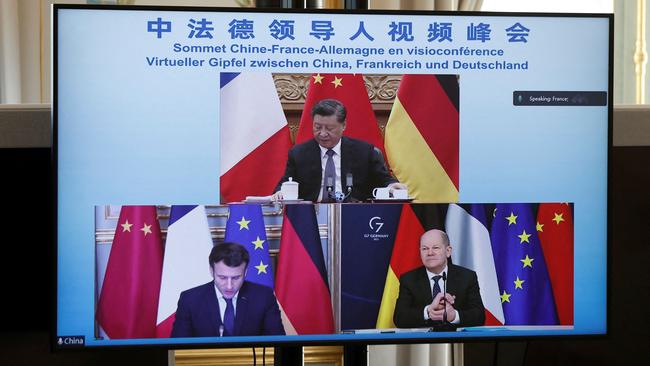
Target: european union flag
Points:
x,y
246,226
524,285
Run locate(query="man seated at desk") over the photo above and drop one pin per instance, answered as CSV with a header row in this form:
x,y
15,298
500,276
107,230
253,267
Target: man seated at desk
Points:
x,y
342,164
422,299
229,305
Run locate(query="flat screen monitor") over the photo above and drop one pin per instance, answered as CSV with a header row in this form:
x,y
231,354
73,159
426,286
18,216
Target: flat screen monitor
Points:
x,y
229,177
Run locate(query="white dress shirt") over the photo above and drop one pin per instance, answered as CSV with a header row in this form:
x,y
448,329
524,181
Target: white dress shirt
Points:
x,y
222,302
441,284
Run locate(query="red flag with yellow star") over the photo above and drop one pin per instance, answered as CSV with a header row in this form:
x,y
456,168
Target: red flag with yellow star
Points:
x,y
128,302
350,90
555,231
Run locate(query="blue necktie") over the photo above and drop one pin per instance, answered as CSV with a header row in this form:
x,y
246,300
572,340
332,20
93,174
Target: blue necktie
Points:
x,y
229,318
329,177
436,288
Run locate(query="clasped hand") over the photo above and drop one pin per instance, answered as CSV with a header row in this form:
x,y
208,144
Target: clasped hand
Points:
x,y
436,309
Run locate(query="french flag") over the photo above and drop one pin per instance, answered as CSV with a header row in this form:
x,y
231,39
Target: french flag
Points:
x,y
471,248
255,137
185,264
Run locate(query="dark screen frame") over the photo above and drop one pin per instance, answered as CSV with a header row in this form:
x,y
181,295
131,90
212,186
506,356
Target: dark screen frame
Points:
x,y
291,342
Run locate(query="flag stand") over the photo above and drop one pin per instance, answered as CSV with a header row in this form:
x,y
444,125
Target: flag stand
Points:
x,y
289,356
355,355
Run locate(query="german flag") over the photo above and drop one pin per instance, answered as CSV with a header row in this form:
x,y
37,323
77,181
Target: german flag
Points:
x,y
422,142
301,284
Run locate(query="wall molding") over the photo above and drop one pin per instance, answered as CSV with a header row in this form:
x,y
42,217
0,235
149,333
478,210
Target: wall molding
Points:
x,y
320,355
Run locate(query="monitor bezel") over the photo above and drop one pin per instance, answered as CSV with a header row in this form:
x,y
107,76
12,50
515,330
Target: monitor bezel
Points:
x,y
292,342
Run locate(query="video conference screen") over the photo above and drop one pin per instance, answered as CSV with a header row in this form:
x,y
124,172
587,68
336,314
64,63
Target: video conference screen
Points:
x,y
231,177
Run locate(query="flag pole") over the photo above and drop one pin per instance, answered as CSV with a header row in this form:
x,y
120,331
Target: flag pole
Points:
x,y
334,260
352,354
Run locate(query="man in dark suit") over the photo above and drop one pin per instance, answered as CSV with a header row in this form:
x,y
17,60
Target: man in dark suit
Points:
x,y
308,162
228,306
422,300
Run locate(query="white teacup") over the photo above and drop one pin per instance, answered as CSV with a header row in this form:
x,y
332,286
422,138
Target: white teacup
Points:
x,y
289,190
400,194
381,193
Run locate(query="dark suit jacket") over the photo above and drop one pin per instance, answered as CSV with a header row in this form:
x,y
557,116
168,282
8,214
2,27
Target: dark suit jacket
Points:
x,y
415,294
257,312
357,157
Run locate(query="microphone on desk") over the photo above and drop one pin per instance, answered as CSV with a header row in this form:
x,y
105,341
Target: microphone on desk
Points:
x,y
444,297
349,184
445,325
221,330
329,188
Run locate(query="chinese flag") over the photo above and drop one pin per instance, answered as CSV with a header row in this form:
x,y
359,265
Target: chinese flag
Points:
x,y
128,303
350,90
555,231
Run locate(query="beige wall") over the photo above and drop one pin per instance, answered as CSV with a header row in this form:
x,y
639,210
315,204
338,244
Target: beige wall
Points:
x,y
25,65
25,45
26,79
